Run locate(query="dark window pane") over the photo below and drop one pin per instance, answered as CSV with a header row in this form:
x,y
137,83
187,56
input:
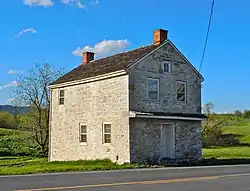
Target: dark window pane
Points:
x,y
166,67
107,128
83,129
83,138
180,97
107,138
61,101
152,89
61,93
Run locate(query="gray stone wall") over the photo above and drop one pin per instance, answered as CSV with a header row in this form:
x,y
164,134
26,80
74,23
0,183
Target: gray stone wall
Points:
x,y
145,139
151,67
91,104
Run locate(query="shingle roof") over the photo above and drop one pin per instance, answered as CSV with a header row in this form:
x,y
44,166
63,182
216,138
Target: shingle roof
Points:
x,y
106,65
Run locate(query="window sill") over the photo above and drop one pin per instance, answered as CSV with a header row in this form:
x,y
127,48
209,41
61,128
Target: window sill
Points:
x,y
167,73
84,144
153,101
106,144
181,102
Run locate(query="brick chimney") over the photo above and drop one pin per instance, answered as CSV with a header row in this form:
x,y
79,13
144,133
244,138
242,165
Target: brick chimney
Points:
x,y
87,57
160,35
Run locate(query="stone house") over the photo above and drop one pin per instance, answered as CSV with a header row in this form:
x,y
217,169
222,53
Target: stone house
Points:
x,y
139,105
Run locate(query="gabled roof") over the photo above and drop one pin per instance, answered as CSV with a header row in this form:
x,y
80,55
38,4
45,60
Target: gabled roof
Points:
x,y
106,65
121,61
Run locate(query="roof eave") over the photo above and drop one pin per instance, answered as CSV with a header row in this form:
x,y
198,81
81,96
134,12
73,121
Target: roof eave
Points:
x,y
90,79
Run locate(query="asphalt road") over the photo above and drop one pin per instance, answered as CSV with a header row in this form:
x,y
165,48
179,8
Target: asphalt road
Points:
x,y
228,178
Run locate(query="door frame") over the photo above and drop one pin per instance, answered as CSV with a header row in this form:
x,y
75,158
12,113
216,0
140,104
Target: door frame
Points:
x,y
173,127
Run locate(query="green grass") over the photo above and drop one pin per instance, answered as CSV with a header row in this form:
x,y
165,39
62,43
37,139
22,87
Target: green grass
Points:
x,y
16,143
29,165
241,128
227,152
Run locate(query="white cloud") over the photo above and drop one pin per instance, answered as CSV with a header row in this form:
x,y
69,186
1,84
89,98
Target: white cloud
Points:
x,y
9,85
28,30
15,72
78,3
44,3
104,48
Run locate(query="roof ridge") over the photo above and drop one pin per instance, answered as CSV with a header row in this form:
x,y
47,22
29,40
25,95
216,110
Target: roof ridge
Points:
x,y
121,53
119,61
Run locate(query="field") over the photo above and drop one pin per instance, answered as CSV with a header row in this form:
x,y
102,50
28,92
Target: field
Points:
x,y
17,143
241,132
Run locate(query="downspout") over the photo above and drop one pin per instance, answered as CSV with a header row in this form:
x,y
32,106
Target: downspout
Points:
x,y
50,117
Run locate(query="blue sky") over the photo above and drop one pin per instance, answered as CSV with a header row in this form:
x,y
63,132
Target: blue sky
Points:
x,y
57,30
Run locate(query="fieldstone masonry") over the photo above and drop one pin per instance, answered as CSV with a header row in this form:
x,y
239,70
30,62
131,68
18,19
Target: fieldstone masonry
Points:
x,y
151,68
91,104
110,100
145,140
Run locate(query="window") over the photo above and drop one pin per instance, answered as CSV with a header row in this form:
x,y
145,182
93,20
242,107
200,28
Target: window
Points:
x,y
61,97
106,133
166,67
181,91
83,133
153,89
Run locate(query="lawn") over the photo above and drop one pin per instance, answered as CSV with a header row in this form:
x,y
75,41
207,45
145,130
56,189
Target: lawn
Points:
x,y
227,152
242,130
31,165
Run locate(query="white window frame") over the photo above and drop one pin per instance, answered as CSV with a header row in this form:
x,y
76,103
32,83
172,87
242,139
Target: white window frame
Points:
x,y
103,133
169,66
158,89
185,83
61,97
80,133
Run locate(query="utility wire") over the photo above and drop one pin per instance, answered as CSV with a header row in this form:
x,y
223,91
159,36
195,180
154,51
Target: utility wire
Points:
x,y
208,29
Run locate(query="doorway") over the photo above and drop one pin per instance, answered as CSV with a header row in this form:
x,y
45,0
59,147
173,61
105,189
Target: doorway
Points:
x,y
167,141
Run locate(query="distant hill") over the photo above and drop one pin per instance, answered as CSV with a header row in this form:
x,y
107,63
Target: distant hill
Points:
x,y
14,109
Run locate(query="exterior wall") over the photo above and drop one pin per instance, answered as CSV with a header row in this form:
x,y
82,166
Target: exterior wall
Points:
x,y
151,67
91,104
145,139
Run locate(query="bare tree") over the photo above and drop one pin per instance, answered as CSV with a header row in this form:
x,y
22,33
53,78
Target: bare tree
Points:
x,y
33,91
212,127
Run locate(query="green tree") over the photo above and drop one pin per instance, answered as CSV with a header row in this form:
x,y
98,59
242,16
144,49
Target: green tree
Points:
x,y
246,113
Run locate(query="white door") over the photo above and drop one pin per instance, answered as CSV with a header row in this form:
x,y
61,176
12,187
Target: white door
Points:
x,y
167,140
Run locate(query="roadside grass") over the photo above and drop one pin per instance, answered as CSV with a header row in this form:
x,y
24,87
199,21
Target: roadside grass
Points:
x,y
29,165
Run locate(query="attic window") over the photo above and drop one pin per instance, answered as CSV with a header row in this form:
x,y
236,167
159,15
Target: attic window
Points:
x,y
166,67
